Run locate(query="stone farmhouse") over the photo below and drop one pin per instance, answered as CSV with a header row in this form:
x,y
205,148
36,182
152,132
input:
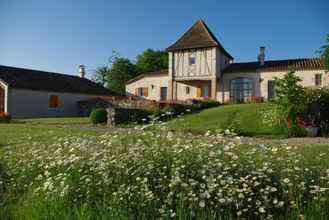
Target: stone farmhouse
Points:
x,y
26,93
200,68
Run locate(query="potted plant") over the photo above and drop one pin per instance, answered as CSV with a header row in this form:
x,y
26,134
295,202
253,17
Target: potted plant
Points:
x,y
310,126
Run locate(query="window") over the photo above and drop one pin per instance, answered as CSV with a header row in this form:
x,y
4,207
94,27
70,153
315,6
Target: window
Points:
x,y
187,90
318,79
143,91
53,101
241,90
191,61
271,89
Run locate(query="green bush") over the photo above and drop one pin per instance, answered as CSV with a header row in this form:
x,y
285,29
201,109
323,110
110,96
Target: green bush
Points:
x,y
175,109
98,116
208,104
139,115
317,108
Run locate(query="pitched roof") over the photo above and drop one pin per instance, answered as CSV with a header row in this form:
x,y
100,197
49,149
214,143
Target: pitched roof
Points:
x,y
276,65
46,81
154,73
198,36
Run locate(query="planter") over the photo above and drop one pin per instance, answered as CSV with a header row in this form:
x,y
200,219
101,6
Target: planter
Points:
x,y
312,131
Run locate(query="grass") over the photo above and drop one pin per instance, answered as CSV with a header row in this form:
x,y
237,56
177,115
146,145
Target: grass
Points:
x,y
57,121
246,118
153,174
52,169
42,130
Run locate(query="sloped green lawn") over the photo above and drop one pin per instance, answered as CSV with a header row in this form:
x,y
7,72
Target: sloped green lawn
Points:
x,y
247,119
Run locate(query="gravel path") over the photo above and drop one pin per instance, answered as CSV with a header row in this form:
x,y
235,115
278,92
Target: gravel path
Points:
x,y
247,140
290,141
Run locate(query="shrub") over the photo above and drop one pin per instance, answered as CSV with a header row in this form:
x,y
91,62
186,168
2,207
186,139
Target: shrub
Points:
x,y
175,109
98,116
5,117
208,103
289,103
296,130
317,108
290,96
138,115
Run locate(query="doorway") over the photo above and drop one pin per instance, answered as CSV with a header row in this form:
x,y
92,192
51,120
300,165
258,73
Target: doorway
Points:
x,y
163,93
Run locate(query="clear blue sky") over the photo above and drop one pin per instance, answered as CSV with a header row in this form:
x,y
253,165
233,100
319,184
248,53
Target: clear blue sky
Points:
x,y
57,35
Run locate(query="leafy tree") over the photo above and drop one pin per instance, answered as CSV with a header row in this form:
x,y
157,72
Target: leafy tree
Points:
x,y
152,60
290,97
325,53
100,75
121,71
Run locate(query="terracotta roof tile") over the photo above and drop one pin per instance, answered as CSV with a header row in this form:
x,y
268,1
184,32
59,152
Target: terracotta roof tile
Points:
x,y
276,65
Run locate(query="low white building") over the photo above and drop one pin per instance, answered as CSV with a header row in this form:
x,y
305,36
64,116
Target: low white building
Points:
x,y
200,68
26,93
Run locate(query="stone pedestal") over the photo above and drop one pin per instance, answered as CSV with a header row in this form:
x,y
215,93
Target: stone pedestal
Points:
x,y
111,117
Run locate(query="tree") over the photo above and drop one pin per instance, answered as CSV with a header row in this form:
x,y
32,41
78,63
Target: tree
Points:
x,y
325,53
152,60
100,75
290,97
121,71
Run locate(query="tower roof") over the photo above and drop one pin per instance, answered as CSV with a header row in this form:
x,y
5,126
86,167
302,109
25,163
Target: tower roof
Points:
x,y
198,36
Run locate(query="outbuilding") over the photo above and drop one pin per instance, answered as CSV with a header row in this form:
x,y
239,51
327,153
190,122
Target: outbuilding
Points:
x,y
26,93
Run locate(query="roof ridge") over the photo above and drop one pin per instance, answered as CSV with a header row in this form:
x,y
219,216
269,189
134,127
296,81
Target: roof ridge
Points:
x,y
290,59
40,71
141,75
22,78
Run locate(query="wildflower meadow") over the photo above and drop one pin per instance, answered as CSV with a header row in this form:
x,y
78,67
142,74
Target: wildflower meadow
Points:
x,y
158,174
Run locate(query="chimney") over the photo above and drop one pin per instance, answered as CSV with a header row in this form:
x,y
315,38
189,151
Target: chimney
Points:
x,y
82,71
261,56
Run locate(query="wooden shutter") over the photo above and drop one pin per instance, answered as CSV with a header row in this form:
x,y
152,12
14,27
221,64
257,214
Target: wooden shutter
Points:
x,y
198,91
53,101
136,91
146,91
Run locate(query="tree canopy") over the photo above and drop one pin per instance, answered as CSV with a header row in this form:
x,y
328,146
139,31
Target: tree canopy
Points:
x,y
152,60
100,75
120,69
